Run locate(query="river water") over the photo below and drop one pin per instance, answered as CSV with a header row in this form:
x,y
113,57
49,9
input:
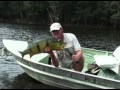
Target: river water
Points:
x,y
11,74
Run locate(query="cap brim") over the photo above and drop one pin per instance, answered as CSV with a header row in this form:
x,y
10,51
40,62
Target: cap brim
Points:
x,y
55,29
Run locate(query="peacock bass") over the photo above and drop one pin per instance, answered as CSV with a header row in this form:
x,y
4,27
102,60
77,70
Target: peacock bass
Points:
x,y
40,46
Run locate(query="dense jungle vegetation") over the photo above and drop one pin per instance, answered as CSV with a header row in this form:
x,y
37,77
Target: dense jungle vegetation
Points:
x,y
94,13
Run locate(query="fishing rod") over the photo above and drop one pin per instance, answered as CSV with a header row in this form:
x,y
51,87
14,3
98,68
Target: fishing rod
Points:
x,y
50,15
55,17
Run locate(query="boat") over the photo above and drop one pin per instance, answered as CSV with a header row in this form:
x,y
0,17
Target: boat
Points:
x,y
38,67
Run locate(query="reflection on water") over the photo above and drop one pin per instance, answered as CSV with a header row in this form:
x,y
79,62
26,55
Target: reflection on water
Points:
x,y
28,83
13,77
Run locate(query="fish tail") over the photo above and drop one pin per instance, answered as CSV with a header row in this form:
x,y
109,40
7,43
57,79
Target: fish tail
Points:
x,y
4,52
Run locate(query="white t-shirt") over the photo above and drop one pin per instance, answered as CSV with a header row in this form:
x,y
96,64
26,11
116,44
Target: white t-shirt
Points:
x,y
73,45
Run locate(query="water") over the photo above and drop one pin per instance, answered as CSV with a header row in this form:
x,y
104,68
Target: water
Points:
x,y
12,75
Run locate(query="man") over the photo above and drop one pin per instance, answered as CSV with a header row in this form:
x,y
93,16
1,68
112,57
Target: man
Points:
x,y
72,56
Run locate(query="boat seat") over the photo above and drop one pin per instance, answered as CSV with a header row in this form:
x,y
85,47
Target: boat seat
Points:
x,y
109,62
105,61
38,57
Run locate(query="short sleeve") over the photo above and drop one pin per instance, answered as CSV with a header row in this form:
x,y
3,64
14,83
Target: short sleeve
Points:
x,y
76,43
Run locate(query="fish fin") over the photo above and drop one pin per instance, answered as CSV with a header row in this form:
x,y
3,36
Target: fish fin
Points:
x,y
29,42
21,54
30,55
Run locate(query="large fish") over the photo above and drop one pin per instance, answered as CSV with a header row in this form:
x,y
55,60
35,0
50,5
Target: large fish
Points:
x,y
40,46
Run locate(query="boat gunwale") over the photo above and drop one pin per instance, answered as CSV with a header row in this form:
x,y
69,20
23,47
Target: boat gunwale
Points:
x,y
88,84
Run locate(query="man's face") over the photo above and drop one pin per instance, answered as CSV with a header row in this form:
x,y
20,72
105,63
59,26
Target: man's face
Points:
x,y
57,34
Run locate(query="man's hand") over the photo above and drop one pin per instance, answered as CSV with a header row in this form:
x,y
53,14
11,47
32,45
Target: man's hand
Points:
x,y
75,58
55,62
48,50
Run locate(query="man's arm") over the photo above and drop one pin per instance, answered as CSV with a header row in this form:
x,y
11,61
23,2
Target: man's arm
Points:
x,y
77,55
54,59
77,47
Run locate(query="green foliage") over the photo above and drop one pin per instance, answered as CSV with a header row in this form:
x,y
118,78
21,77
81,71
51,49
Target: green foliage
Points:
x,y
66,12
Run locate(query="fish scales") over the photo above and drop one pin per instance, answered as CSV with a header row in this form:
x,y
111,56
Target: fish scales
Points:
x,y
40,46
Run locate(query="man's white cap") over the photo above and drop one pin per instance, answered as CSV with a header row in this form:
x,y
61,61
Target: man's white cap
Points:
x,y
55,26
